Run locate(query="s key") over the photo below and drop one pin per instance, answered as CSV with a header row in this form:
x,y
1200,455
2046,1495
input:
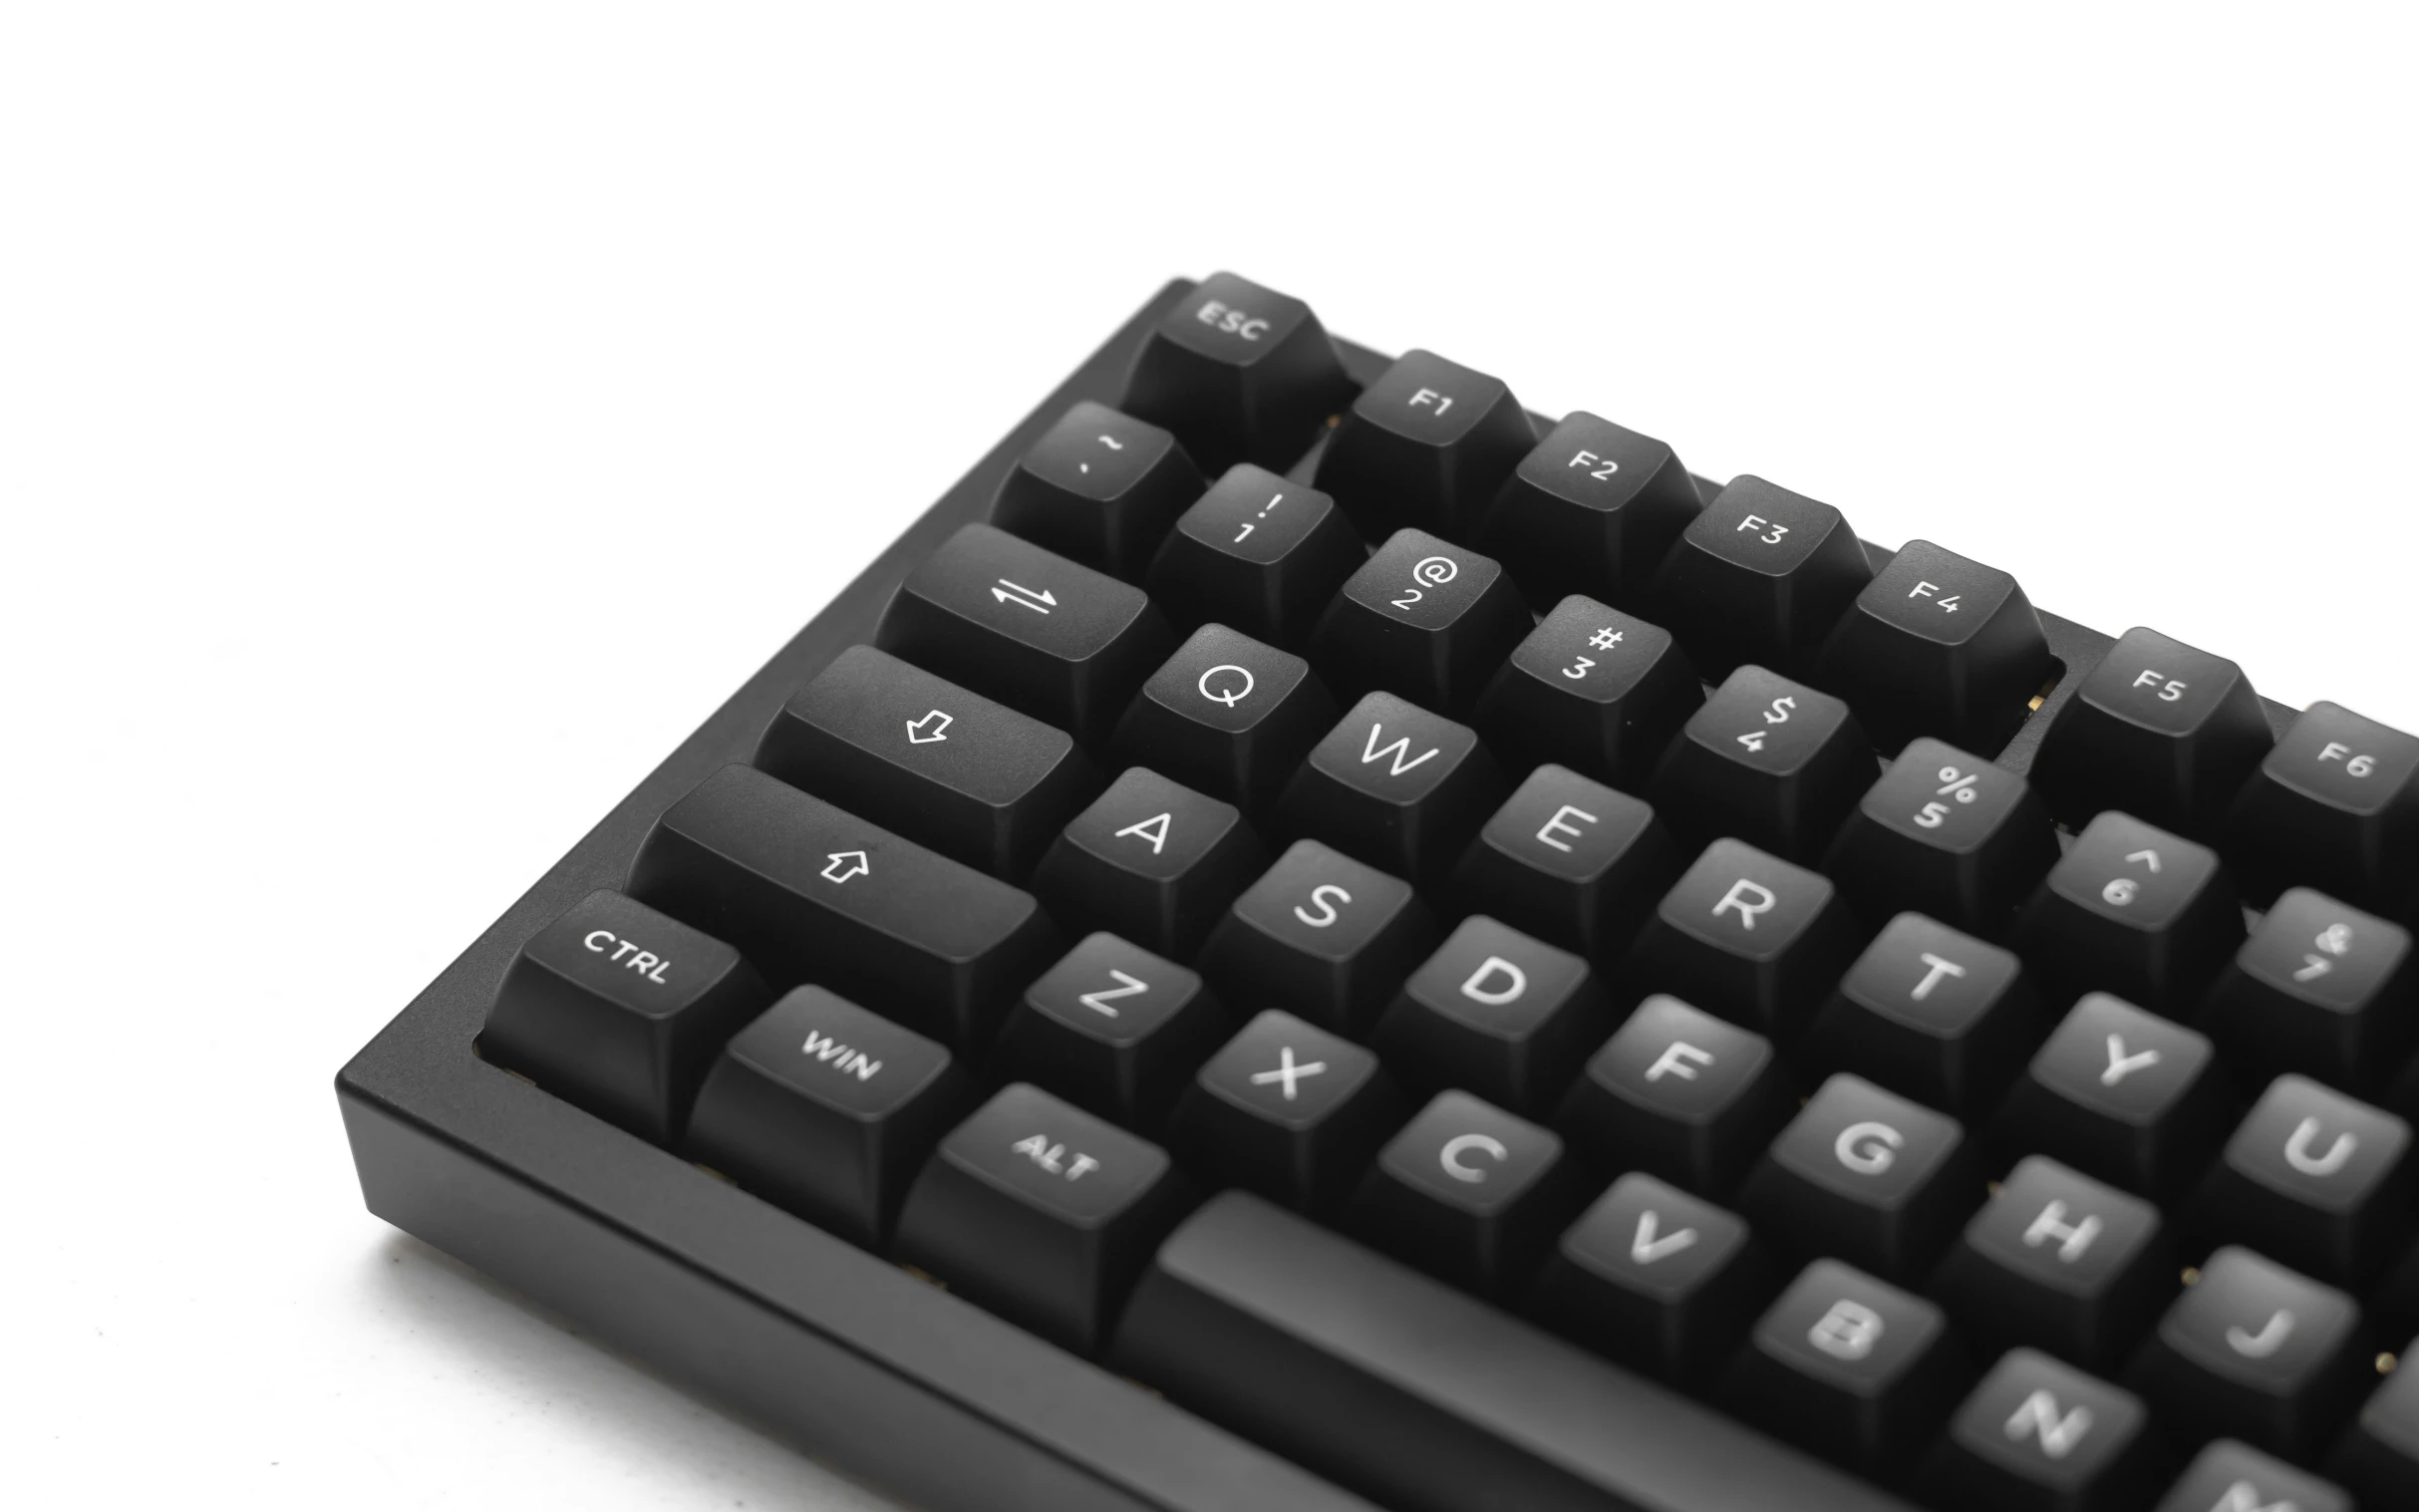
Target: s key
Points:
x,y
1321,936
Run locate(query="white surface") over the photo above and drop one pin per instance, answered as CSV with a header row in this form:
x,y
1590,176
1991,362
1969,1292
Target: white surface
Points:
x,y
411,422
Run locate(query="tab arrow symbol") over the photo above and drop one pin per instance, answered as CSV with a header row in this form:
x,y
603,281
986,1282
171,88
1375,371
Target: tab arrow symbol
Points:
x,y
846,864
917,735
1040,601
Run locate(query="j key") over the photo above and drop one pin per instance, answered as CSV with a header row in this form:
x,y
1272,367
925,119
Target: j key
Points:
x,y
1395,786
1290,1111
1933,1015
1499,1014
1152,861
1100,487
2318,988
1949,834
2135,911
2123,1095
1679,1094
1258,552
946,767
1469,1194
2157,729
2379,1457
1592,689
2316,1180
1028,627
1656,1280
1042,1213
1241,372
1749,937
1868,1176
1323,936
1939,644
808,890
1760,576
2039,1434
620,1009
1571,861
1112,1028
827,1110
2334,806
1422,618
2254,1352
1593,509
2228,1476
1360,1369
1229,716
1769,761
2056,1260
1426,446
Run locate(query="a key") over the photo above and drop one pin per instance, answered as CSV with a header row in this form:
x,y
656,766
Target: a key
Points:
x,y
1680,1094
1499,1014
1259,554
2230,1476
1946,833
1290,1111
1101,488
827,1110
1747,936
1424,618
1041,634
2158,728
1395,786
1594,689
1229,716
2379,1457
2334,806
2255,1352
1939,645
1241,372
807,890
1767,761
2319,988
1152,860
2132,910
1571,861
1470,1195
1112,1028
2057,1261
1655,1279
2127,1097
1868,1176
1933,1015
2316,1180
1320,935
1042,1213
1761,575
1592,510
619,1009
1425,445
2038,1433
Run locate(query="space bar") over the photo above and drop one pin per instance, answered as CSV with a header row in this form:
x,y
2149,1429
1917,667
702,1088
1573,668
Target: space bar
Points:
x,y
1419,1396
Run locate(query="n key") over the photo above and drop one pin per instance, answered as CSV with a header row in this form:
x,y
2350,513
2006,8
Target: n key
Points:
x,y
2038,1433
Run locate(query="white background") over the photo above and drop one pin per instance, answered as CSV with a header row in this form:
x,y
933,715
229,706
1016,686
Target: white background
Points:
x,y
413,421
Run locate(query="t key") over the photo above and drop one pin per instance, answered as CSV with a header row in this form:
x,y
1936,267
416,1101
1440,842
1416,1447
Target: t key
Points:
x,y
1426,446
1760,576
2157,729
1422,618
1100,487
1240,373
2134,911
1258,552
1933,1015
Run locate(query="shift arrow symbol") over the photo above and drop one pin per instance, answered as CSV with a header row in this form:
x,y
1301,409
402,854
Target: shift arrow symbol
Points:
x,y
846,864
917,735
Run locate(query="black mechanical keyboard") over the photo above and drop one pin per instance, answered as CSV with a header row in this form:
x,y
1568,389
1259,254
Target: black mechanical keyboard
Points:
x,y
1309,938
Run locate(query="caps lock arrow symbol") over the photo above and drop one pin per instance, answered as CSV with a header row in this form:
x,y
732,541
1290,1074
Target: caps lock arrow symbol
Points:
x,y
917,735
846,864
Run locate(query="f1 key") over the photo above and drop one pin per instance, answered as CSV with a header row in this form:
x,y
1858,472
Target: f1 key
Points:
x,y
1426,446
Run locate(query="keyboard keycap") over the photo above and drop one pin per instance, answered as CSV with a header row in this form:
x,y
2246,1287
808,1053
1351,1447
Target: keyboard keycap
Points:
x,y
1290,1111
2123,1095
1939,645
1570,861
1592,689
1425,445
1949,834
2320,989
1867,1176
1749,937
1499,1014
1101,488
2135,911
2379,1457
2316,1180
2158,728
1323,936
2254,1352
1760,576
1768,760
1259,554
1241,372
1932,1014
1656,1280
2230,1476
1112,1028
1228,716
1395,786
2059,1261
1592,510
1422,618
2040,1434
1679,1094
1469,1194
1152,861
2335,807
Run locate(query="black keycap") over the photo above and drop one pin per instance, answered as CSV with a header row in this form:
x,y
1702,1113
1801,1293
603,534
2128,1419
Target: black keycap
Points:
x,y
1114,1029
949,769
1592,510
1229,716
2057,1261
2135,911
2254,1352
1425,445
1760,576
1656,1280
1592,689
2320,989
2316,1180
2335,807
1241,372
1947,833
1290,1111
2228,1476
1571,861
808,890
1320,935
1470,1195
2379,1457
1679,1094
620,1009
1424,618
2039,1434
827,1110
1749,937
1499,1014
1152,861
1867,1176
1395,786
1939,645
2157,729
1028,627
2127,1097
1259,554
1933,1015
1768,760
1099,487
1042,1213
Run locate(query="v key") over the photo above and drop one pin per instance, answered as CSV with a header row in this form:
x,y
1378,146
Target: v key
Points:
x,y
1647,1248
